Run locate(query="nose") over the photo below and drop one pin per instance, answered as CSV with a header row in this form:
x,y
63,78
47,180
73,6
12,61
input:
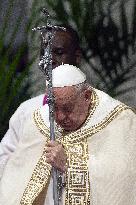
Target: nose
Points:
x,y
60,116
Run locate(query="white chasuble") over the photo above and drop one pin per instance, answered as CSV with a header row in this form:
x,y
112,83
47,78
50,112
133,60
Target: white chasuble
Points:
x,y
101,159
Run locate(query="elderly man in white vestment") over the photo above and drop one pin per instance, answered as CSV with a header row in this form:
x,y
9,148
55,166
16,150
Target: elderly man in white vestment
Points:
x,y
65,49
94,151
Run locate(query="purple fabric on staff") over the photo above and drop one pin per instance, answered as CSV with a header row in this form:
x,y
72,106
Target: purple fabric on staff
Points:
x,y
45,100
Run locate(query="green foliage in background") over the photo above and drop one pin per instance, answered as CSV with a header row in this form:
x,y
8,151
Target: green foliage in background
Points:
x,y
14,84
112,46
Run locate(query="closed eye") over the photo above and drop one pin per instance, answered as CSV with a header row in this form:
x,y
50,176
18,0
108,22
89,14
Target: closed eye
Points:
x,y
59,51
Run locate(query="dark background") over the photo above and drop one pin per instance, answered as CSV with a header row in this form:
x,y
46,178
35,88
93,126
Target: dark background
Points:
x,y
107,30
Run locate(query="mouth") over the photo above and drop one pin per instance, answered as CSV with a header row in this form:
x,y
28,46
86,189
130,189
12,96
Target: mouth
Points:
x,y
67,126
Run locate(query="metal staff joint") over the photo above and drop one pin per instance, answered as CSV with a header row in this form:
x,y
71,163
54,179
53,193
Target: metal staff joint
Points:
x,y
47,34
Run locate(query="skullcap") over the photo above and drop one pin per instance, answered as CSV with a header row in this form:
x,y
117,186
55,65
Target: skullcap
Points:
x,y
67,75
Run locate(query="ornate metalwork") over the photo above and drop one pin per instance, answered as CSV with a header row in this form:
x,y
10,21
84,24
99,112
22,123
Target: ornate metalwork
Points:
x,y
46,66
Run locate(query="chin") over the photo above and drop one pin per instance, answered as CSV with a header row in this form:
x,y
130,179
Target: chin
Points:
x,y
70,128
67,127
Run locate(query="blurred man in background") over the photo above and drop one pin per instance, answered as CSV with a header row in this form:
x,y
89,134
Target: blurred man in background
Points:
x,y
94,150
65,49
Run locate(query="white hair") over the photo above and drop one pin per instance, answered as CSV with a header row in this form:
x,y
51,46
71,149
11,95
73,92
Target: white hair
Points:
x,y
82,86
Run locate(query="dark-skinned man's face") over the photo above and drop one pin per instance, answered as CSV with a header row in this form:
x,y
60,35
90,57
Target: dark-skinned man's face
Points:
x,y
63,50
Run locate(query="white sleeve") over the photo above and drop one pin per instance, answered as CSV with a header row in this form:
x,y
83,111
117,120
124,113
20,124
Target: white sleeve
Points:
x,y
11,138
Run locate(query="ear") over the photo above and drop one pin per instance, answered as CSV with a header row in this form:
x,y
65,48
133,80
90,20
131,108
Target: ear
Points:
x,y
87,95
78,55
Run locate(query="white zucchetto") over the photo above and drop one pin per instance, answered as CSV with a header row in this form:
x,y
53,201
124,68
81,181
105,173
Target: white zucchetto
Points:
x,y
67,75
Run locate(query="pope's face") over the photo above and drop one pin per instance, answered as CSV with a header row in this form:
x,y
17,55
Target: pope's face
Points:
x,y
71,108
63,51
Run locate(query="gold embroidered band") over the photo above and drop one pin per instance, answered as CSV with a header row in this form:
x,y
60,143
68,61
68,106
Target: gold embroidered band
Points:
x,y
77,187
37,182
77,176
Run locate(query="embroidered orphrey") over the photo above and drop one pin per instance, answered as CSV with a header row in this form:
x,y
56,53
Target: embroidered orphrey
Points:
x,y
77,176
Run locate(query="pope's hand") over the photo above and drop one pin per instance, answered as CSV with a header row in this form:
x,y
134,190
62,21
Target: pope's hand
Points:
x,y
56,155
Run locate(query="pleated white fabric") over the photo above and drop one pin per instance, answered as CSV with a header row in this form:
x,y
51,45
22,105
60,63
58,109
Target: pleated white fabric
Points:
x,y
112,160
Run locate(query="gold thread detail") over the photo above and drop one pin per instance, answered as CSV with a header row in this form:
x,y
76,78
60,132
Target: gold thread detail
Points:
x,y
37,182
42,170
81,135
77,176
92,108
40,123
94,104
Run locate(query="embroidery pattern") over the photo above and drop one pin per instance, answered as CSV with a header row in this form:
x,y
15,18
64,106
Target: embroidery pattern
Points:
x,y
94,104
77,188
77,176
81,135
40,123
41,172
37,182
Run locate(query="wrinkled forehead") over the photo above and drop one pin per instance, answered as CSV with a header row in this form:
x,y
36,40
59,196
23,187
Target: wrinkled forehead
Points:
x,y
61,38
65,94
